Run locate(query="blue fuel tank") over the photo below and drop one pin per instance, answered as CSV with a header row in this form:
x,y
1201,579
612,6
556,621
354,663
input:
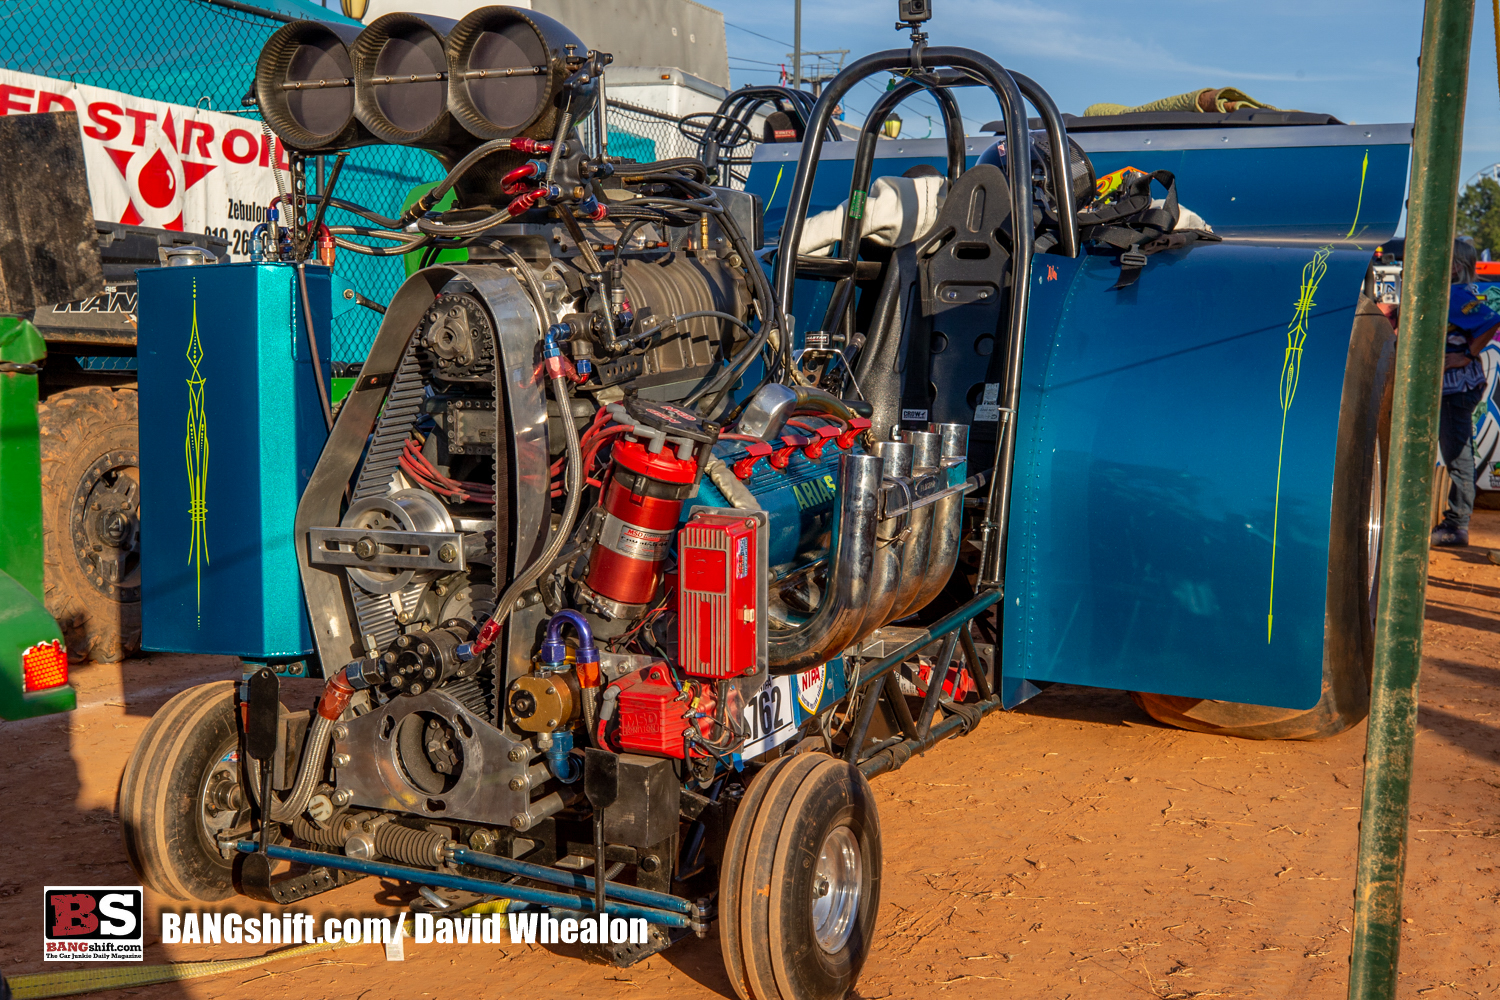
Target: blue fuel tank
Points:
x,y
231,427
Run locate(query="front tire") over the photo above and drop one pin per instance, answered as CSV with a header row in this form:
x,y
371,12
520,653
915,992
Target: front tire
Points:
x,y
800,921
181,790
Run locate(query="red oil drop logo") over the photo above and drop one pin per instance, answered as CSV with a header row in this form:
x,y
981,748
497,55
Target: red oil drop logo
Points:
x,y
157,182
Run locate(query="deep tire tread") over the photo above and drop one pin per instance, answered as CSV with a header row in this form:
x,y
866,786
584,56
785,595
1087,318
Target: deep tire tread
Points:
x,y
730,870
76,427
755,877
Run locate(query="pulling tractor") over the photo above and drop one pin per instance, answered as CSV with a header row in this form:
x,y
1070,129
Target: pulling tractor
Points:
x,y
645,541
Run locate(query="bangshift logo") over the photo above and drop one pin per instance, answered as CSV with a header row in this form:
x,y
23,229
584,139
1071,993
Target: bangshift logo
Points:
x,y
93,924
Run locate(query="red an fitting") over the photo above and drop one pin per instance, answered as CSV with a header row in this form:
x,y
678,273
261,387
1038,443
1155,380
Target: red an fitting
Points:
x,y
560,367
745,467
524,203
336,697
523,145
486,637
857,426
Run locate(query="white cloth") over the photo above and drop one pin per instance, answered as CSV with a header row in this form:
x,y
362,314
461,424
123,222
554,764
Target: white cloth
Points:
x,y
900,210
897,211
1186,217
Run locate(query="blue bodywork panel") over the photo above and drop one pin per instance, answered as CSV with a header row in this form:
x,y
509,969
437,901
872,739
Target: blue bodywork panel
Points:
x,y
1147,470
1283,185
1151,469
231,428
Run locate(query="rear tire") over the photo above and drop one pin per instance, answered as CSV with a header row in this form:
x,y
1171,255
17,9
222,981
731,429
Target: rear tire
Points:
x,y
91,519
808,882
1353,562
182,788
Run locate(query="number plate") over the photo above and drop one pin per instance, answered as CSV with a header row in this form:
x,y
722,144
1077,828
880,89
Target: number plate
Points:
x,y
770,717
777,711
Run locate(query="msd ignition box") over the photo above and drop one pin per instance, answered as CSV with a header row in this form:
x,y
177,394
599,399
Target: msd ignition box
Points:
x,y
722,582
231,427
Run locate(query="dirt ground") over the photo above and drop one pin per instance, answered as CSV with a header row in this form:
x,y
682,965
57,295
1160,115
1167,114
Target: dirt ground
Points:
x,y
1070,849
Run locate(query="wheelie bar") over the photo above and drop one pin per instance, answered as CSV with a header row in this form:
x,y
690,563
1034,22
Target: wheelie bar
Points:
x,y
486,887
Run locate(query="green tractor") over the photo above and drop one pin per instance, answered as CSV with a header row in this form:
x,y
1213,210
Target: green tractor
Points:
x,y
33,659
50,257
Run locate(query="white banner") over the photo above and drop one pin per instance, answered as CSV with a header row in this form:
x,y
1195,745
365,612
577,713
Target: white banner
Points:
x,y
162,165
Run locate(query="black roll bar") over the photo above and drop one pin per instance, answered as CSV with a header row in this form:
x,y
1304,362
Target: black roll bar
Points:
x,y
921,62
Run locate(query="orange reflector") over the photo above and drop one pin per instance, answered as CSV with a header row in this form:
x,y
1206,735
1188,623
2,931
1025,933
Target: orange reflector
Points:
x,y
45,665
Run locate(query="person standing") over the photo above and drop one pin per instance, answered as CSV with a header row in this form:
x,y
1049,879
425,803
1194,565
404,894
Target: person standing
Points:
x,y
1471,326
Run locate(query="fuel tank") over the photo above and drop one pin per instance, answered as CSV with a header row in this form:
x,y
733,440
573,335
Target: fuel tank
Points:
x,y
231,428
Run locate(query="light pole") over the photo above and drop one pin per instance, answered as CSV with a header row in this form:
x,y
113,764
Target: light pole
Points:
x,y
797,47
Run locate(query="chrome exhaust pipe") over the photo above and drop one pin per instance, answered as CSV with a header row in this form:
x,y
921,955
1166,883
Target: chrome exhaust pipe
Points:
x,y
840,617
892,537
947,513
926,456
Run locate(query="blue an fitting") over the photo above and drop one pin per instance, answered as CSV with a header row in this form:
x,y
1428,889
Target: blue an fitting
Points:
x,y
560,760
538,168
584,366
257,237
554,653
550,349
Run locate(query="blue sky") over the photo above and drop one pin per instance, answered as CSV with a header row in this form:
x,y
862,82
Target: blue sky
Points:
x,y
1357,61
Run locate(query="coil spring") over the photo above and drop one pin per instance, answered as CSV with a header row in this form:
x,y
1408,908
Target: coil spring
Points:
x,y
305,830
413,847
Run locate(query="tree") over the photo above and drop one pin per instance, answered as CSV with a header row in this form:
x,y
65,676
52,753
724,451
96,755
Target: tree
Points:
x,y
1479,214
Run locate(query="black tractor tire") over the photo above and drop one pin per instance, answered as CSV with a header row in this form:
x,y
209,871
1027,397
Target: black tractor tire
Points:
x,y
183,777
731,869
813,835
91,520
1353,563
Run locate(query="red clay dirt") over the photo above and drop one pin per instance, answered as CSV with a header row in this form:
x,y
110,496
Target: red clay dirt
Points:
x,y
1071,849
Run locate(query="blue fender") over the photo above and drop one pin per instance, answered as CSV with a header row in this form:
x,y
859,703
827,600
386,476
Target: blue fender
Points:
x,y
1157,471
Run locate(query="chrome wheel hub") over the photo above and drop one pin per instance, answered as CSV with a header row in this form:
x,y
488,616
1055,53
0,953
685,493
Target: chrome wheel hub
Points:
x,y
837,889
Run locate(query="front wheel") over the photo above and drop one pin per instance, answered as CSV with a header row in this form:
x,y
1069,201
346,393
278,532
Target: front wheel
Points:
x,y
801,884
182,791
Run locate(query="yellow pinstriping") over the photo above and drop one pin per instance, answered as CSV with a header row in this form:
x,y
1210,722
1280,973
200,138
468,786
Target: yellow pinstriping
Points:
x,y
196,451
774,188
1291,370
1363,169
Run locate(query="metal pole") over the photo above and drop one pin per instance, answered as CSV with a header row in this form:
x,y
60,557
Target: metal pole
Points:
x,y
1437,142
797,48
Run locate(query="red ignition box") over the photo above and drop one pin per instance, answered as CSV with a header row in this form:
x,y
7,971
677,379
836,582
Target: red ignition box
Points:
x,y
716,595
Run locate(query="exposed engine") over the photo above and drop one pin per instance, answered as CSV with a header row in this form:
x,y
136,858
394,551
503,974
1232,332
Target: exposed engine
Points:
x,y
567,556
581,501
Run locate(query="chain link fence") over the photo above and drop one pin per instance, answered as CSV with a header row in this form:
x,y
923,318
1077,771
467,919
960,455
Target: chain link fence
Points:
x,y
203,54
645,135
